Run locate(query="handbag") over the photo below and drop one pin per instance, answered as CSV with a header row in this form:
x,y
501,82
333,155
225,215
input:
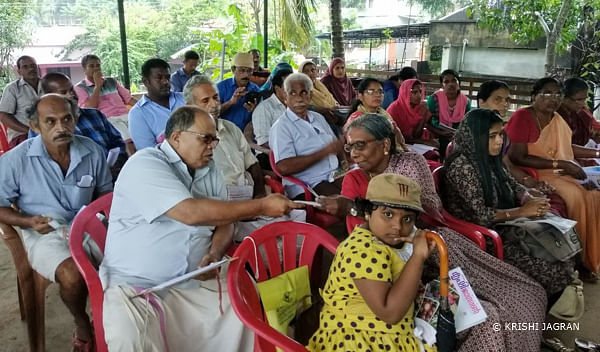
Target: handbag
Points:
x,y
542,240
570,306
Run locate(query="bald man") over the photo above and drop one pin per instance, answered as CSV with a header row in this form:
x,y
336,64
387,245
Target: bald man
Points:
x,y
170,215
50,178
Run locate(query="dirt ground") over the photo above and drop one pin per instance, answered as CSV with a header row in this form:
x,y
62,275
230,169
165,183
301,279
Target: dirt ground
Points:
x,y
13,333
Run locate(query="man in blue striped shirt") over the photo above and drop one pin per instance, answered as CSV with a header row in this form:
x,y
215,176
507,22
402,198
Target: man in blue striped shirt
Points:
x,y
91,122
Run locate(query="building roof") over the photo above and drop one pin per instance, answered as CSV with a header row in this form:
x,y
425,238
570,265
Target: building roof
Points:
x,y
412,31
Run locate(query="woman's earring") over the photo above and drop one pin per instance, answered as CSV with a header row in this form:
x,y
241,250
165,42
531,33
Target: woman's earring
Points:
x,y
385,153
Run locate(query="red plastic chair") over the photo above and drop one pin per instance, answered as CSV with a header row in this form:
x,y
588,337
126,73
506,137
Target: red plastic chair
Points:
x,y
3,139
87,222
474,232
244,297
313,216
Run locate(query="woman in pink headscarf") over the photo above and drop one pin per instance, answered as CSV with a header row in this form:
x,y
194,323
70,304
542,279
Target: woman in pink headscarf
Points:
x,y
338,83
448,107
410,113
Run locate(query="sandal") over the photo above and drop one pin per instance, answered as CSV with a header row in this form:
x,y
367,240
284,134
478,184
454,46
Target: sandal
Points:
x,y
80,345
556,345
586,345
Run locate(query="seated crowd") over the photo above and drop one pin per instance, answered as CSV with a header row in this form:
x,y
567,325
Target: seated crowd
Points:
x,y
189,163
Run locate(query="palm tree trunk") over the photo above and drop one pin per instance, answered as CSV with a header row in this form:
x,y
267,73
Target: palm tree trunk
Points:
x,y
335,15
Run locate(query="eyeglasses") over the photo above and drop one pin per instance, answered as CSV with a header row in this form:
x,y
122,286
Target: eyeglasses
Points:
x,y
208,139
360,145
244,70
374,91
551,95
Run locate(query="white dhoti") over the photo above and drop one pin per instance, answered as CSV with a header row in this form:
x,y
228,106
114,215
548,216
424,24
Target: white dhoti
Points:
x,y
244,228
121,123
192,321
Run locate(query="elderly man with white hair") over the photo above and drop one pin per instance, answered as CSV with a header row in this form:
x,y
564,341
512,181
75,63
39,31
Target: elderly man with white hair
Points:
x,y
303,144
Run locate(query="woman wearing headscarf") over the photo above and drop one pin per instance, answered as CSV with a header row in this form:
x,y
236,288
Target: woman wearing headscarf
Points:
x,y
503,290
541,139
321,97
448,107
338,83
410,113
575,112
477,188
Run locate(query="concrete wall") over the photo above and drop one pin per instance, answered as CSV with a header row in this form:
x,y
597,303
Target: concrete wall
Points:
x,y
522,63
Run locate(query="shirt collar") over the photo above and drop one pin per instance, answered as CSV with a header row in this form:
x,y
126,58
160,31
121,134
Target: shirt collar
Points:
x,y
77,150
276,100
88,82
145,100
23,82
292,116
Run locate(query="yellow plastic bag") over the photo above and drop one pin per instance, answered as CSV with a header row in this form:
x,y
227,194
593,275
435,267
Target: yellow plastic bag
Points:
x,y
285,296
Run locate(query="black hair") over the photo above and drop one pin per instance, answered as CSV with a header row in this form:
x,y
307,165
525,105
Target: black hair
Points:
x,y
362,86
377,126
21,58
575,85
52,77
540,83
153,63
479,122
279,77
488,87
86,58
449,72
190,55
254,51
366,207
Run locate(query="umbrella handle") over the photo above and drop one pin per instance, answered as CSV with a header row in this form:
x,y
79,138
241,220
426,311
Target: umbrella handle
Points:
x,y
443,252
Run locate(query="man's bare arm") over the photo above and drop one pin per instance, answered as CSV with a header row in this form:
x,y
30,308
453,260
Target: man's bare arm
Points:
x,y
12,122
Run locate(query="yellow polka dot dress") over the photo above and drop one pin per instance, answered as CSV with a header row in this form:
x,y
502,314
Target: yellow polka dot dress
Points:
x,y
346,322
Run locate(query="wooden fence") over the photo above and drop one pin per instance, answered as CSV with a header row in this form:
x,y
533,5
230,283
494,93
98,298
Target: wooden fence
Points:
x,y
520,89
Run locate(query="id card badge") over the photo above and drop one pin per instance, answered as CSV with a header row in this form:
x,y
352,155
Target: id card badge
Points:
x,y
240,192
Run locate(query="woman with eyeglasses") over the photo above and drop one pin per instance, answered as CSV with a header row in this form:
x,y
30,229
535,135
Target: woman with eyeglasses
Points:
x,y
370,97
410,113
541,139
503,290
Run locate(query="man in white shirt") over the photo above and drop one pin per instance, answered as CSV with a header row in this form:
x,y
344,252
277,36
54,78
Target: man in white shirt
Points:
x,y
266,113
169,216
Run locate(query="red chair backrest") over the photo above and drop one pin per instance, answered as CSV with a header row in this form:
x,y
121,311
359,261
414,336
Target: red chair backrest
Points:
x,y
87,222
3,139
472,231
245,299
318,218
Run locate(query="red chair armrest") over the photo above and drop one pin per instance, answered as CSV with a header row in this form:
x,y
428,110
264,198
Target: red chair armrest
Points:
x,y
464,228
474,228
276,186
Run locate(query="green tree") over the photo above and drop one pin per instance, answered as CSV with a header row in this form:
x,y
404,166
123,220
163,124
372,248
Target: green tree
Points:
x,y
527,20
15,32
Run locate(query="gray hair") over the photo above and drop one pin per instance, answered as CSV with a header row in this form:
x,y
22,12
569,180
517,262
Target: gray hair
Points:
x,y
182,118
193,83
70,104
297,77
377,126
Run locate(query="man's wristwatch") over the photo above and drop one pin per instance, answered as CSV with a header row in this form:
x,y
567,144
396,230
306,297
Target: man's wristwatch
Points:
x,y
353,211
555,164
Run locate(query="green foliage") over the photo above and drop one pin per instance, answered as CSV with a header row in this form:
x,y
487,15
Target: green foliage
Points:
x,y
15,32
520,19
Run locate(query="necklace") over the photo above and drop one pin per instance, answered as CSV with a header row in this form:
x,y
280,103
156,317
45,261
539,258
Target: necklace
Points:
x,y
537,120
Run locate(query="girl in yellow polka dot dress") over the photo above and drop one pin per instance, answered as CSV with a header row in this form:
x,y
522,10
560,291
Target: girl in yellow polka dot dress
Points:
x,y
374,277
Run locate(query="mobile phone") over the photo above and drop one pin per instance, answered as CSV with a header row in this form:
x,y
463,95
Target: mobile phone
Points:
x,y
252,97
